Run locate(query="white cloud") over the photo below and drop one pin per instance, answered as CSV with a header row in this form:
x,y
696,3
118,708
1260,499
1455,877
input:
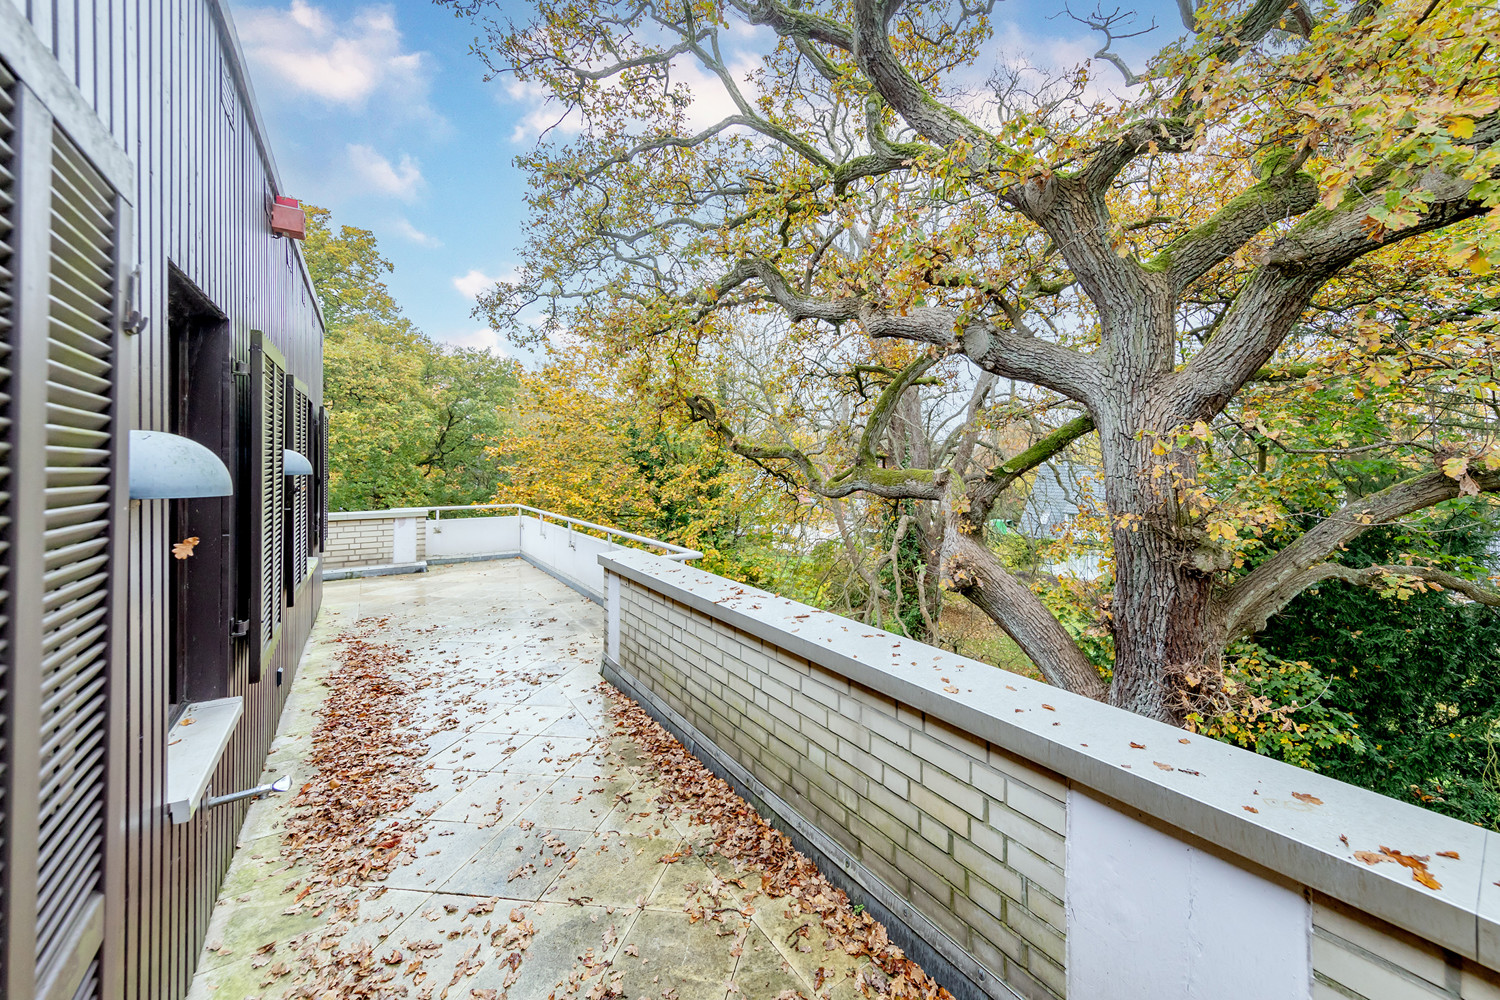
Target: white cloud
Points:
x,y
303,49
407,231
483,338
376,173
476,282
543,115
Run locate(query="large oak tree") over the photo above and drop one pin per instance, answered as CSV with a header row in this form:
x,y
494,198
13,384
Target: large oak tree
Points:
x,y
1251,199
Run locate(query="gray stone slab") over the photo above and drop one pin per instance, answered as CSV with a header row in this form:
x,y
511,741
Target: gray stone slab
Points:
x,y
516,864
447,847
669,951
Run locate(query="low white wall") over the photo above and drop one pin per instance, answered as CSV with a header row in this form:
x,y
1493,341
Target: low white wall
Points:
x,y
466,537
380,541
1037,842
571,556
1211,927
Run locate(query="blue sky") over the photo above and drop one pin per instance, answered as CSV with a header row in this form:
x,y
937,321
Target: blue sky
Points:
x,y
379,112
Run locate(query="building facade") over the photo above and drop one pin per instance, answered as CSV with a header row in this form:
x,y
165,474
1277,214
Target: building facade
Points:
x,y
157,338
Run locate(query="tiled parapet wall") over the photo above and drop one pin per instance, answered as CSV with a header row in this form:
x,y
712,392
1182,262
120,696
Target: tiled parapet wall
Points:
x,y
360,539
1041,844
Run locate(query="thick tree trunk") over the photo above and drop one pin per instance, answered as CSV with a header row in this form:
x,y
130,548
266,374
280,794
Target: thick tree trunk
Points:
x,y
1162,614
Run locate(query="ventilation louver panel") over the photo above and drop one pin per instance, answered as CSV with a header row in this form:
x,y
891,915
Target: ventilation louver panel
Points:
x,y
7,305
75,620
90,985
315,482
272,500
322,479
303,490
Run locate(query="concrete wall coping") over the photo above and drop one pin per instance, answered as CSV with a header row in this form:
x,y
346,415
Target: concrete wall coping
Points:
x,y
376,515
1305,826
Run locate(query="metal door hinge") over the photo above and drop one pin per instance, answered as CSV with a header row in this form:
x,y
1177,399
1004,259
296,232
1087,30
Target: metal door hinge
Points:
x,y
239,628
239,367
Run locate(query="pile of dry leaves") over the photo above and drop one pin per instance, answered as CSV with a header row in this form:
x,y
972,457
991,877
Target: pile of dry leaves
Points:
x,y
365,752
346,825
741,836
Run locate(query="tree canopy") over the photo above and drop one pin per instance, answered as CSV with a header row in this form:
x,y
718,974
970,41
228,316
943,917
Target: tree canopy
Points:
x,y
409,420
1287,196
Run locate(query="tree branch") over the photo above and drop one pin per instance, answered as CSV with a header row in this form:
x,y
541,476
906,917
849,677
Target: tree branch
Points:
x,y
885,408
1268,588
889,484
984,492
877,59
1196,252
1277,293
973,570
1374,576
1007,352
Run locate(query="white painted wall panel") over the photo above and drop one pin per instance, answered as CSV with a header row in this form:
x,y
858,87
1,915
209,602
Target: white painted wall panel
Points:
x,y
404,540
571,555
473,536
1150,916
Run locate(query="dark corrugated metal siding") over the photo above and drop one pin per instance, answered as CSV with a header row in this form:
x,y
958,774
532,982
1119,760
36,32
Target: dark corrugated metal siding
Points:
x,y
163,77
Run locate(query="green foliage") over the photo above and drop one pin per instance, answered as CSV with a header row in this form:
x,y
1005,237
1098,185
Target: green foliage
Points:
x,y
1279,708
409,420
1075,604
907,618
580,443
1419,674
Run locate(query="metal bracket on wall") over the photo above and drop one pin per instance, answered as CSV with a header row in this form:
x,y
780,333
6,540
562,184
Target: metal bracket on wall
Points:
x,y
281,784
239,368
239,628
133,322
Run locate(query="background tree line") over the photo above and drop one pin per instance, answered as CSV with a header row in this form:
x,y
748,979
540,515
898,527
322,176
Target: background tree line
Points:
x,y
409,420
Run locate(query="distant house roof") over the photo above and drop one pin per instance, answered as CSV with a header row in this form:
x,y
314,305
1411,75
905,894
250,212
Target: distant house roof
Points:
x,y
1054,495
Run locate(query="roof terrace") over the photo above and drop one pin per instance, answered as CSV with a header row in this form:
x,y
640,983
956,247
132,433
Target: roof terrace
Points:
x,y
481,816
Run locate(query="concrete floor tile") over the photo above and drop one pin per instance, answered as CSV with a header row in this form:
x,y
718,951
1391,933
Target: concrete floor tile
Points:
x,y
237,932
799,937
444,784
528,717
614,869
576,801
572,724
764,972
685,880
519,863
669,951
447,848
546,755
493,799
478,751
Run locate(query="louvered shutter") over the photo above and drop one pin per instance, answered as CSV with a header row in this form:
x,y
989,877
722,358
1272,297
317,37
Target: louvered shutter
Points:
x,y
7,326
323,479
303,489
314,482
268,416
81,397
315,494
297,489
